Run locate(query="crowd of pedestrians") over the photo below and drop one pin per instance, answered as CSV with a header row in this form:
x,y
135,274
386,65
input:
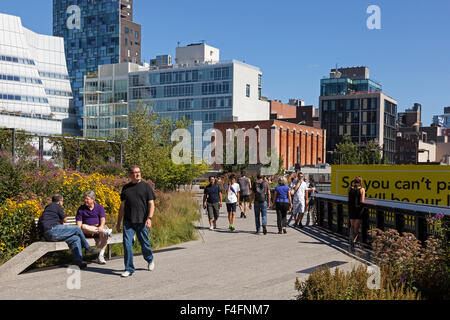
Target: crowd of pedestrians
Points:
x,y
294,198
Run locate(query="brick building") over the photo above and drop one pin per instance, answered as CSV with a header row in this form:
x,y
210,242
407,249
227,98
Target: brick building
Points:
x,y
296,144
294,113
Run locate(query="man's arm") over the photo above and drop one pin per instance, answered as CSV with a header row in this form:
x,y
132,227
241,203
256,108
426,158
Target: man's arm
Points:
x,y
268,194
204,201
151,211
120,216
220,198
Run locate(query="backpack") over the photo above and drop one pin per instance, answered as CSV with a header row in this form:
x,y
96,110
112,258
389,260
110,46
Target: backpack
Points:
x,y
260,192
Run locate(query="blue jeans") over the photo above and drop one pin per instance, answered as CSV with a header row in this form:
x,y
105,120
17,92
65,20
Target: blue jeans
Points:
x,y
129,230
260,210
72,235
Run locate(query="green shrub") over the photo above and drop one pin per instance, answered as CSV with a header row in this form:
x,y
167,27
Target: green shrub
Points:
x,y
11,178
323,285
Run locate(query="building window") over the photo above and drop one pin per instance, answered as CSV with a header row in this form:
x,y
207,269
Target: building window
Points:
x,y
247,91
127,31
136,35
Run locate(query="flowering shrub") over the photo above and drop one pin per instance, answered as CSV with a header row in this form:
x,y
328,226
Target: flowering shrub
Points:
x,y
425,268
73,186
17,225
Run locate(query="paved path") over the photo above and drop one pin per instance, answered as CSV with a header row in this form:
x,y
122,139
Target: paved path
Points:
x,y
219,265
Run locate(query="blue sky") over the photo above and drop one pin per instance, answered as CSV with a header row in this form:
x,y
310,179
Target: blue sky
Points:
x,y
296,43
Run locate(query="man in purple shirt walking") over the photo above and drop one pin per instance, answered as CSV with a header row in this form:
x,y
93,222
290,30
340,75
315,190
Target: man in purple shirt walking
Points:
x,y
91,219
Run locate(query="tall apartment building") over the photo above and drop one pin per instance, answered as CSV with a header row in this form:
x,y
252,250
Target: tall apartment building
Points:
x,y
351,103
95,33
199,87
34,84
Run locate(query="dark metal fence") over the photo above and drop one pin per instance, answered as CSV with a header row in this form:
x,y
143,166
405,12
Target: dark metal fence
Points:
x,y
332,211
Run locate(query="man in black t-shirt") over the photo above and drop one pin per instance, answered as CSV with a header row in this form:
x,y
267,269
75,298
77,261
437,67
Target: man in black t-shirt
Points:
x,y
137,209
212,201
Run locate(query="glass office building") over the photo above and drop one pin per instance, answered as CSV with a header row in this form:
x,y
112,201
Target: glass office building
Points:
x,y
95,33
359,108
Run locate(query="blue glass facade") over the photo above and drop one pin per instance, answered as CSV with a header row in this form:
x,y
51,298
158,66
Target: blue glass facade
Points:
x,y
343,86
197,94
95,42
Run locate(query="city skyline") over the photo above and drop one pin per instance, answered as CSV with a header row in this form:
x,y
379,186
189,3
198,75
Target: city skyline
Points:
x,y
296,44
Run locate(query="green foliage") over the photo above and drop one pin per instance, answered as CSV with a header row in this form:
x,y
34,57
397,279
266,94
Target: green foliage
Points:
x,y
11,178
323,285
150,147
371,154
348,152
23,148
93,154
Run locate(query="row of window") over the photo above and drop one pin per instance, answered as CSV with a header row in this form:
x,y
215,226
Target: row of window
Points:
x,y
340,117
20,79
17,60
23,98
216,88
213,103
349,104
59,109
53,75
58,93
178,91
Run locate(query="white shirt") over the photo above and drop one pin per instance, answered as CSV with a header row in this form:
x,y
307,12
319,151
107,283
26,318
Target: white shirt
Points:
x,y
299,195
231,196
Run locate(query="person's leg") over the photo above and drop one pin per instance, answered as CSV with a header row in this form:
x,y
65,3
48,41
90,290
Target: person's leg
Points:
x,y
89,230
264,217
357,223
128,235
142,235
216,211
257,208
279,217
209,209
230,211
284,211
245,207
302,212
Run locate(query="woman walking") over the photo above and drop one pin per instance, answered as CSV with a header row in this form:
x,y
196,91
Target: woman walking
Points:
x,y
232,190
282,203
356,198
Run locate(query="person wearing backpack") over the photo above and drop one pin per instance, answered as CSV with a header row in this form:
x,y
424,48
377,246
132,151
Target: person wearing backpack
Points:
x,y
356,198
232,190
261,198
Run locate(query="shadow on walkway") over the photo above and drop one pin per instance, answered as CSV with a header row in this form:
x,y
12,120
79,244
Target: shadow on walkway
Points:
x,y
334,241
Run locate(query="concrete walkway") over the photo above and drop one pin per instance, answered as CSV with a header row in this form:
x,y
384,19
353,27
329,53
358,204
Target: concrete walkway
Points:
x,y
219,265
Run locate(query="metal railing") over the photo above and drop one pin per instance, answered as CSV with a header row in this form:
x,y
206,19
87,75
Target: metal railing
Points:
x,y
332,214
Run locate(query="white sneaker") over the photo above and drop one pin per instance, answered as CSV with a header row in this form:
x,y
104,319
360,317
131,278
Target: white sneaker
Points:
x,y
101,259
151,266
126,274
211,228
107,232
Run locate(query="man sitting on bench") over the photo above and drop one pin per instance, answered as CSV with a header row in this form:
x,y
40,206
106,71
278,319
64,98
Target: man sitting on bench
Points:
x,y
51,224
91,219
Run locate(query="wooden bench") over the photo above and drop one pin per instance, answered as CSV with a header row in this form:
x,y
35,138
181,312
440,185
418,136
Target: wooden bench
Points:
x,y
36,250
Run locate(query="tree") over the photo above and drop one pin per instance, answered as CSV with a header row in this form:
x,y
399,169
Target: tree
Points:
x,y
149,146
371,154
346,152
